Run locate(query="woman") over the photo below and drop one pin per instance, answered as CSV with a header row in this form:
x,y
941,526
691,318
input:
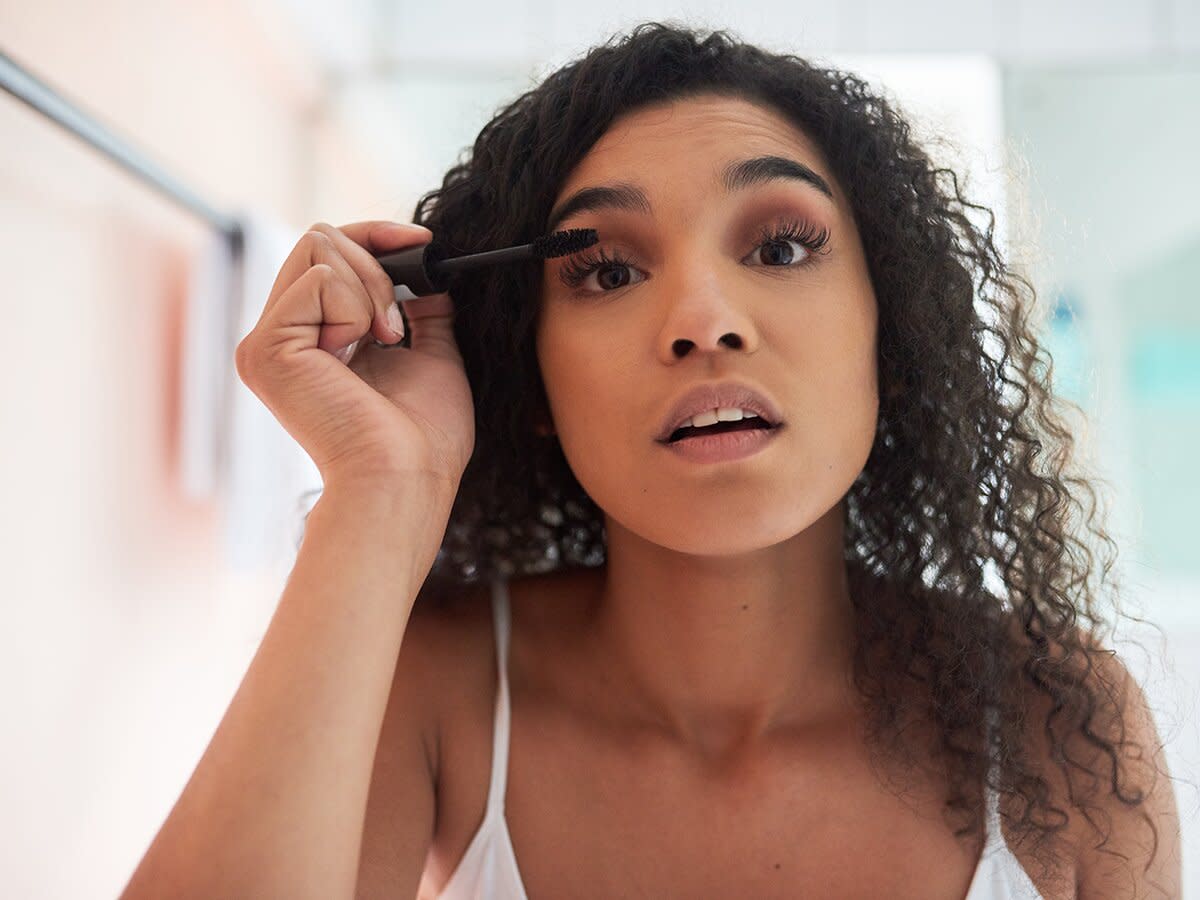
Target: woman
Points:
x,y
851,650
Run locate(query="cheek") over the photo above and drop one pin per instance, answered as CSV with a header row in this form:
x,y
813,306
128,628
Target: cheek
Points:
x,y
582,370
837,376
857,352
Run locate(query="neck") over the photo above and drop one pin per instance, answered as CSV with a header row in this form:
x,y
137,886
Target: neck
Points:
x,y
722,653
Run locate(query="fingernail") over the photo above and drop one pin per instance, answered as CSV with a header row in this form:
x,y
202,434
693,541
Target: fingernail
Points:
x,y
406,228
346,352
395,320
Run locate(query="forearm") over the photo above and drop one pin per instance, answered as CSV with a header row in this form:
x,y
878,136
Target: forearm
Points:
x,y
275,806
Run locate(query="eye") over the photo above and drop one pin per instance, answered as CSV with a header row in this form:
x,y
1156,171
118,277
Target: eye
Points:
x,y
581,265
775,241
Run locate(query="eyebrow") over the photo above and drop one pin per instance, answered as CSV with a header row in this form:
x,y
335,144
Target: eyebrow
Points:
x,y
736,176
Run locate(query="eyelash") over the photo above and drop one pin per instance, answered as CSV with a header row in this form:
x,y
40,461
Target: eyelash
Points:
x,y
580,266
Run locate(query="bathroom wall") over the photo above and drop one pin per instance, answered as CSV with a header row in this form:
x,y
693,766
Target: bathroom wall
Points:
x,y
1110,223
109,572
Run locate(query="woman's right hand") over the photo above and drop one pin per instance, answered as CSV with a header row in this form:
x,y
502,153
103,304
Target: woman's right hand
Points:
x,y
389,413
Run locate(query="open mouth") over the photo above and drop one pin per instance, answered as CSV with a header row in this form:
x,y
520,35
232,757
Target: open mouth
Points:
x,y
751,424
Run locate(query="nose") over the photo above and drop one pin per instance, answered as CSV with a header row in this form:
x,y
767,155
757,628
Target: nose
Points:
x,y
701,313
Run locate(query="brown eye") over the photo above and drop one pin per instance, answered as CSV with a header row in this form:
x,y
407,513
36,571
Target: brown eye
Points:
x,y
607,268
775,249
604,276
776,253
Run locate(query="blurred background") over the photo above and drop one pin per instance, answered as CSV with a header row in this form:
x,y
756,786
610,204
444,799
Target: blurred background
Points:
x,y
152,506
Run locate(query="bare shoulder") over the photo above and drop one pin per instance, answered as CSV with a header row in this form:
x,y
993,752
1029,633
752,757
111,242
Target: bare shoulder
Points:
x,y
450,642
435,679
457,640
458,654
1117,851
1145,858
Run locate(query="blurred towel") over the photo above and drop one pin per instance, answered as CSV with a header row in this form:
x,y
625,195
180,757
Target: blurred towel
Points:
x,y
233,449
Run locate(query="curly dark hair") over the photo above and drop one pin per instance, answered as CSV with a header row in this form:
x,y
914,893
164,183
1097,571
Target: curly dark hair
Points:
x,y
974,592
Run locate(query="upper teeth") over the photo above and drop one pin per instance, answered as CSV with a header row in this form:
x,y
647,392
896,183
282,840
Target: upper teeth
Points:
x,y
721,414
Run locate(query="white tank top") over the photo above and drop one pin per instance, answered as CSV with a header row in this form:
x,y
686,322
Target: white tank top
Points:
x,y
489,870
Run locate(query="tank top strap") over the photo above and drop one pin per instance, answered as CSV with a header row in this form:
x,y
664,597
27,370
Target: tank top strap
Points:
x,y
502,618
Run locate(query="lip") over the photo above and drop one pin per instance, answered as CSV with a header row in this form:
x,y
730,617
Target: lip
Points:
x,y
724,446
704,397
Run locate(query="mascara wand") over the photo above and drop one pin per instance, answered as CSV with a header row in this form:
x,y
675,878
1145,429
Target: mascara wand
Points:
x,y
427,269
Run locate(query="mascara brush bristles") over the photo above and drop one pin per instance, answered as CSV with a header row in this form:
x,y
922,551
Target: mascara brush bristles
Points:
x,y
558,243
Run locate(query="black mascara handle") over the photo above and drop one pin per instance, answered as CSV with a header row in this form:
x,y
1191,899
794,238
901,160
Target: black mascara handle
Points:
x,y
413,267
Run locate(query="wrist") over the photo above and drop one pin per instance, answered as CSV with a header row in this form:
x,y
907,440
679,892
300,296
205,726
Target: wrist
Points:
x,y
387,489
403,523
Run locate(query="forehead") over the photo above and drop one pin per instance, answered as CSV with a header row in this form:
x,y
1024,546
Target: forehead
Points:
x,y
706,130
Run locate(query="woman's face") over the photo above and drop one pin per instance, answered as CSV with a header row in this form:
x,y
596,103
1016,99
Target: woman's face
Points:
x,y
618,349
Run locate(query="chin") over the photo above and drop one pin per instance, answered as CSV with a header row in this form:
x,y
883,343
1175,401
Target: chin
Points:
x,y
728,527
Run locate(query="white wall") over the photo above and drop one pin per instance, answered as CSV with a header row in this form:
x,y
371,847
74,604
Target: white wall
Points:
x,y
416,47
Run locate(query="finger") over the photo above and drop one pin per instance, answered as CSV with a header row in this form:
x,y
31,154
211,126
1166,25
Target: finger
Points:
x,y
429,306
321,308
375,281
308,250
379,235
314,248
